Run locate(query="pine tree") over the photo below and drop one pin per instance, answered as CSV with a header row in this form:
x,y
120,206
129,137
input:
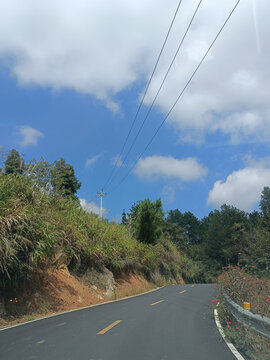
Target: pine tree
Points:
x,y
124,218
64,181
14,163
147,220
265,201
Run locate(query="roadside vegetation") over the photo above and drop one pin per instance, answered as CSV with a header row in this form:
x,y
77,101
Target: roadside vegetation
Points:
x,y
37,227
245,285
251,344
42,222
247,280
42,225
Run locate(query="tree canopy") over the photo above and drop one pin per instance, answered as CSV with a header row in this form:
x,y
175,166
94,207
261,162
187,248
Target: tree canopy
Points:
x,y
14,163
265,201
147,219
58,177
63,179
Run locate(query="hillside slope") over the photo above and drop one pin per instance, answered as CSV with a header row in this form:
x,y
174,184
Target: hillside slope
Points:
x,y
41,233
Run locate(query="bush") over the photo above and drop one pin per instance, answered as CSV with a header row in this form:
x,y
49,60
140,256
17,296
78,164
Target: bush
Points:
x,y
244,287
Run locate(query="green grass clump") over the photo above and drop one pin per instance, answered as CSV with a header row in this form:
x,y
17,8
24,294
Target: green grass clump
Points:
x,y
37,226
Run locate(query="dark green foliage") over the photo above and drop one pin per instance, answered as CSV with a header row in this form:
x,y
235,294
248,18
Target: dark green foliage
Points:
x,y
255,219
147,220
176,233
223,236
186,222
14,164
256,255
124,218
265,201
63,179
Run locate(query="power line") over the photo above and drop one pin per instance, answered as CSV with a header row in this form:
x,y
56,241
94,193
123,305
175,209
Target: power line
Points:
x,y
160,87
179,96
145,91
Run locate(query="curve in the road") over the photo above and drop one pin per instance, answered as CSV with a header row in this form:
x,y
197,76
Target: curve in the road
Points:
x,y
178,326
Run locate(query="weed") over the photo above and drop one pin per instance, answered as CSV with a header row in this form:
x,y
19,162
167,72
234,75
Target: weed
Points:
x,y
29,318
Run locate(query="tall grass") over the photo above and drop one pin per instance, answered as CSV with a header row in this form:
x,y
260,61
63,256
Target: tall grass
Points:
x,y
35,227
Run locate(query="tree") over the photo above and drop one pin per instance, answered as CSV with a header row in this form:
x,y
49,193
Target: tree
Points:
x,y
41,172
224,235
64,181
265,201
176,233
124,218
255,219
14,164
188,222
258,251
147,219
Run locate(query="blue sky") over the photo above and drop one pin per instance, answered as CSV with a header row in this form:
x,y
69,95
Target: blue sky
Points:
x,y
72,76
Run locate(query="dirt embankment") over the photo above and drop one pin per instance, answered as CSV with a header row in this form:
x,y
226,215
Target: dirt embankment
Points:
x,y
61,291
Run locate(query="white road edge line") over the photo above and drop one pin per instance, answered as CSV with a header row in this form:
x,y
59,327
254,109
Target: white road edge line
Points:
x,y
82,308
230,345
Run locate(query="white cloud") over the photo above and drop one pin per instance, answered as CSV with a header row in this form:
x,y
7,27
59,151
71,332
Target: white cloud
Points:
x,y
92,160
92,207
29,136
155,167
93,47
117,161
168,194
228,95
102,48
242,188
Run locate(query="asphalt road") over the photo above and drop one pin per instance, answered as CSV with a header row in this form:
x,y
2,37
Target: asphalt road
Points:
x,y
175,322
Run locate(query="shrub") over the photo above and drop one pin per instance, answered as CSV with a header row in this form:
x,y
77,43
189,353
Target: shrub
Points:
x,y
244,287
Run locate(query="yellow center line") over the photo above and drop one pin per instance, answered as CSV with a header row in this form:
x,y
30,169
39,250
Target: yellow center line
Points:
x,y
109,327
182,292
158,302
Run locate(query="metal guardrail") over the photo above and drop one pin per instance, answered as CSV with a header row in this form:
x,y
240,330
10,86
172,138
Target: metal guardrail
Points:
x,y
259,323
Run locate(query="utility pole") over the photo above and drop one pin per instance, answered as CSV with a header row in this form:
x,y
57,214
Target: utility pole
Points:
x,y
102,195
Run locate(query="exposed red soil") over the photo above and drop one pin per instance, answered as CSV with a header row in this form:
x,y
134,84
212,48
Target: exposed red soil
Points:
x,y
61,291
132,284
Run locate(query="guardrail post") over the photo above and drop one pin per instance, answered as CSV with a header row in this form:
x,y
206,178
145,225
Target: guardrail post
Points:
x,y
246,305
